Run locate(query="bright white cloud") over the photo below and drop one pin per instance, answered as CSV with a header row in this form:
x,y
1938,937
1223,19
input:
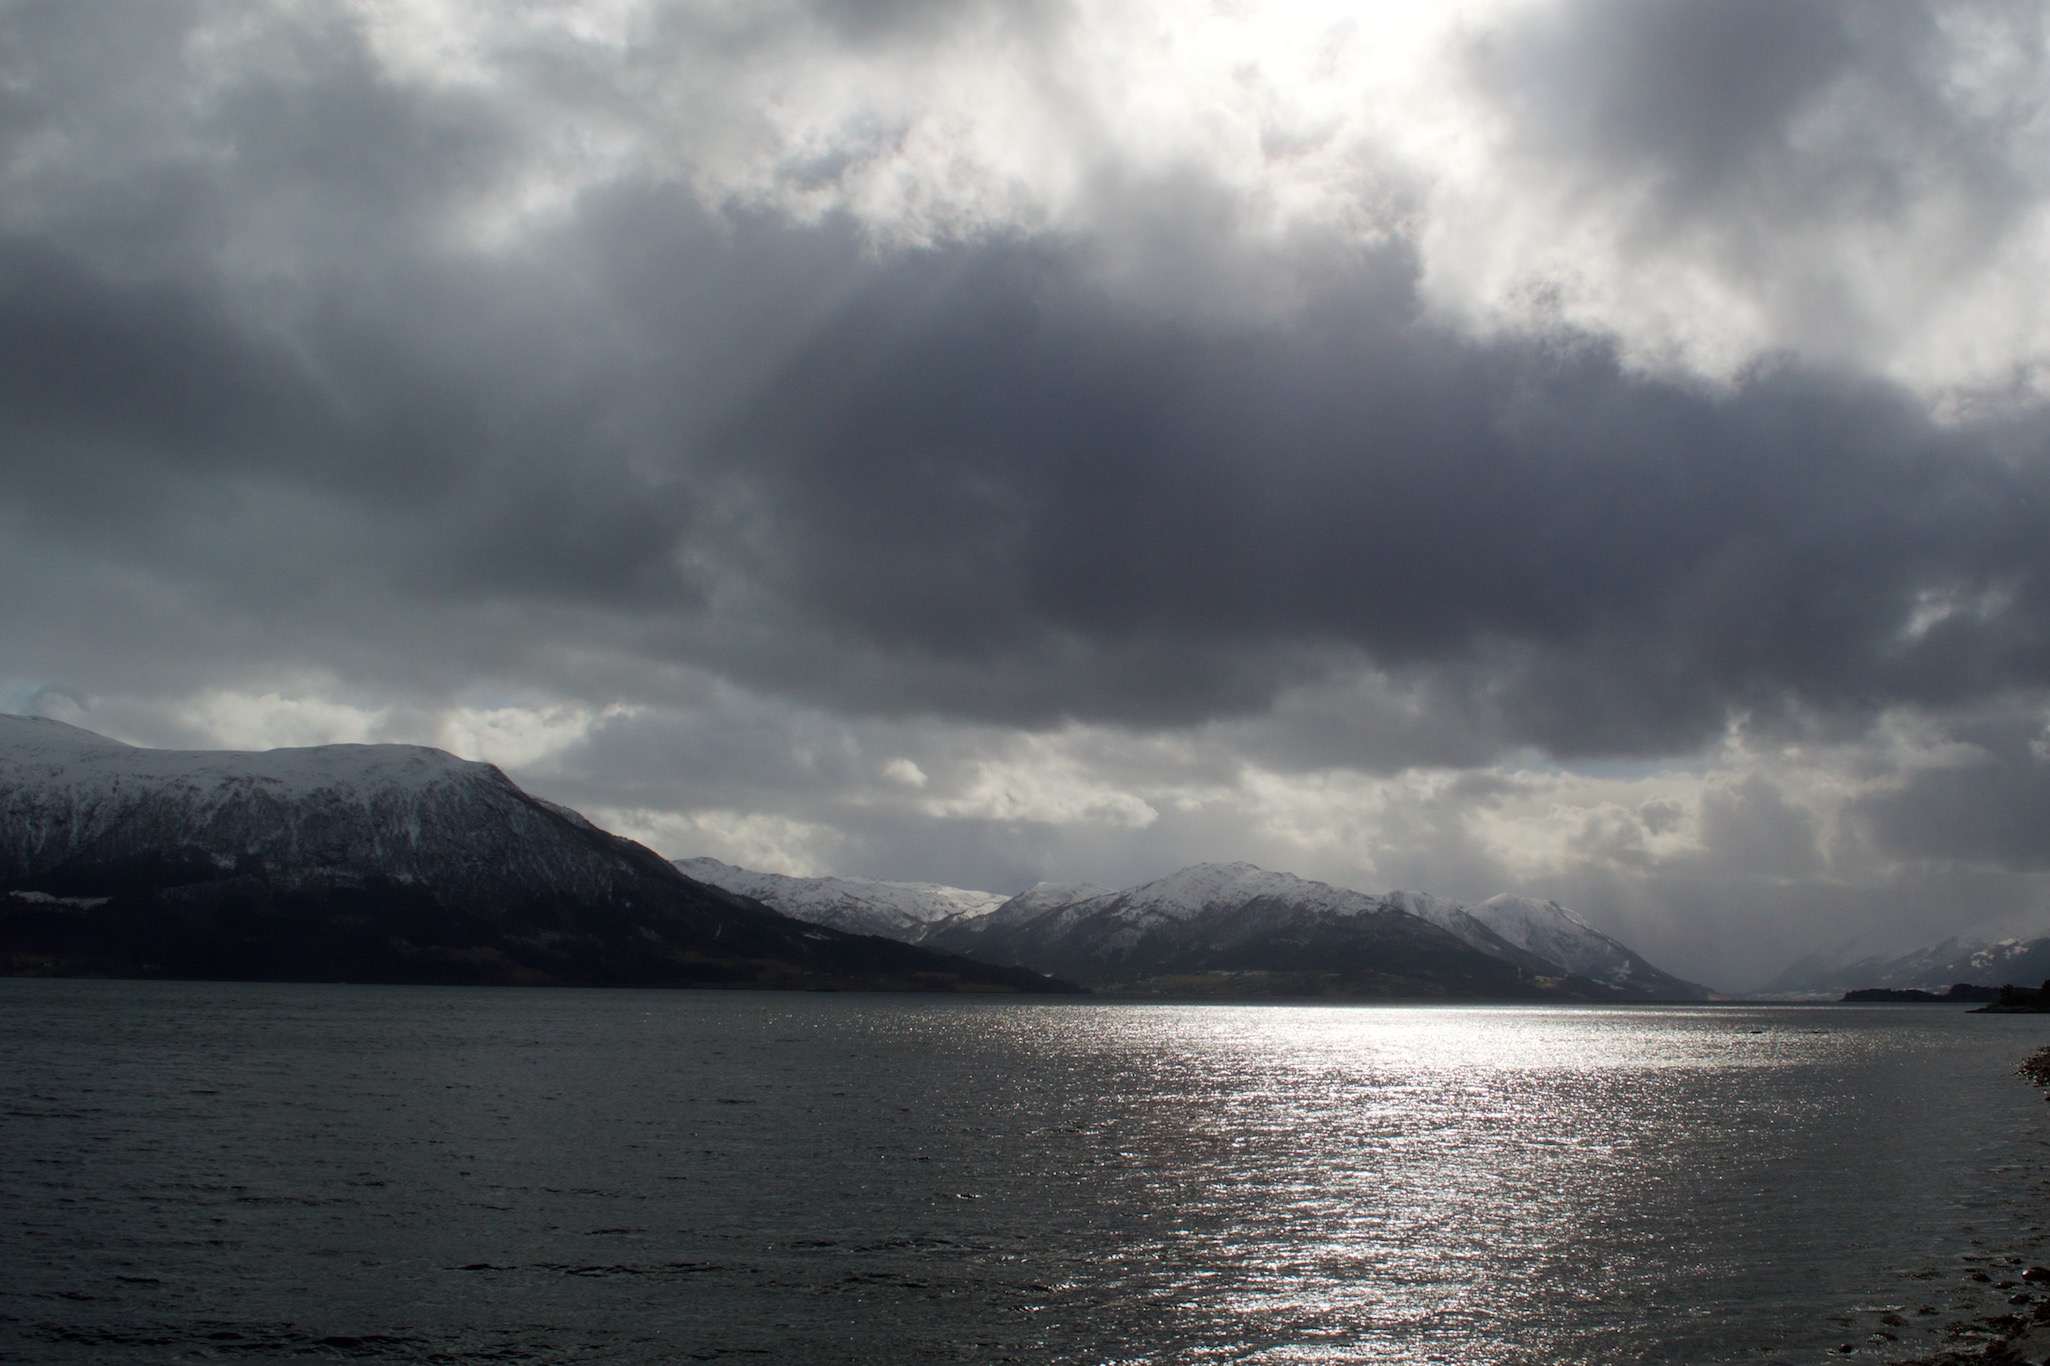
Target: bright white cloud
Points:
x,y
751,839
905,772
1856,235
227,719
1041,779
518,737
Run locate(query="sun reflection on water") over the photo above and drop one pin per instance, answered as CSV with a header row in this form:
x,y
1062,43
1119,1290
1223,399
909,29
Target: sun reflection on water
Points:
x,y
1439,1183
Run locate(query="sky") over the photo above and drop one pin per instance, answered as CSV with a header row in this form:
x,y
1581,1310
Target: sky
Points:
x,y
1579,448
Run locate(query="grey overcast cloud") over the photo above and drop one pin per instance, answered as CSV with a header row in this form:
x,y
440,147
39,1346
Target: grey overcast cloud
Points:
x,y
1582,448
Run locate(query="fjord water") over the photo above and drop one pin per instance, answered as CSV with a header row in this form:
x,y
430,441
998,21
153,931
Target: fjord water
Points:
x,y
253,1172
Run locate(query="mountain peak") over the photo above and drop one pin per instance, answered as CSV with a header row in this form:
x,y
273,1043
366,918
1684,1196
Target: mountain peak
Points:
x,y
1202,887
1507,907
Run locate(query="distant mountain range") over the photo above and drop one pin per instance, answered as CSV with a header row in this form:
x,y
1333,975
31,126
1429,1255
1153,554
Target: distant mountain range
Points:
x,y
899,910
396,863
2009,962
1235,929
385,863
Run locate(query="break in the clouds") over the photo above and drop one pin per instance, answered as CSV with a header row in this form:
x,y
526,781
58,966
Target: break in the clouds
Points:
x,y
1587,448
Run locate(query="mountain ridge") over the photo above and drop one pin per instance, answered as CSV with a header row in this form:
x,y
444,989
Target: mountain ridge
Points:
x,y
1932,967
375,863
1094,934
899,910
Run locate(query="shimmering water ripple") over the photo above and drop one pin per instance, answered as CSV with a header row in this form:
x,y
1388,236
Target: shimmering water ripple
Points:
x,y
194,1171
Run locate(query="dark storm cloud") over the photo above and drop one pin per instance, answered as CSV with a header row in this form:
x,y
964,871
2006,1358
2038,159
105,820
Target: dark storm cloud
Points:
x,y
976,457
232,323
971,479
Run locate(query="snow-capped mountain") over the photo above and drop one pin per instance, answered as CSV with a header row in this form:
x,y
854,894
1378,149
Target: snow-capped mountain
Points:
x,y
1045,896
1551,934
78,809
370,862
1235,918
1238,927
2009,962
899,910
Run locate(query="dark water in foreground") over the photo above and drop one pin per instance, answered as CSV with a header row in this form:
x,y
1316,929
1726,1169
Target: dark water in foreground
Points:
x,y
257,1173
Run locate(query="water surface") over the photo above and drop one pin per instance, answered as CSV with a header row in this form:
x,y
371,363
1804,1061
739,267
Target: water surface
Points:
x,y
252,1172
